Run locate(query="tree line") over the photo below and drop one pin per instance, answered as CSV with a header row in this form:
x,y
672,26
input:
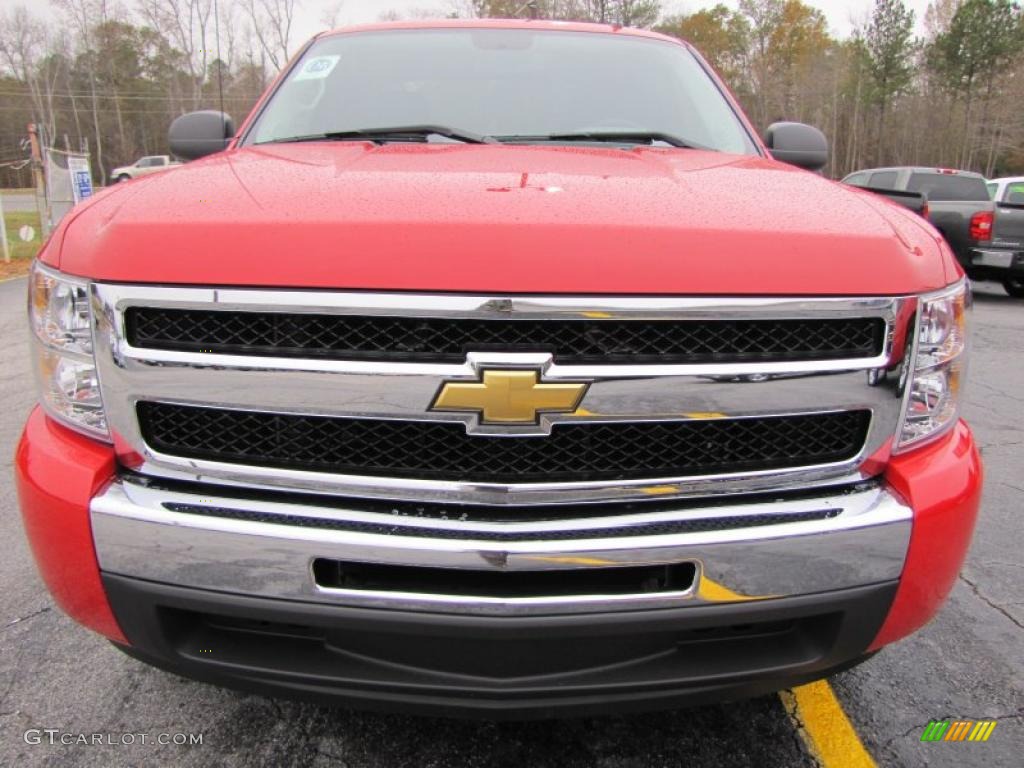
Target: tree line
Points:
x,y
110,78
884,95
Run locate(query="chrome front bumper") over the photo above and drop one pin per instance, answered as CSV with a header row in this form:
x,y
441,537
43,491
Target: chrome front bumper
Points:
x,y
242,545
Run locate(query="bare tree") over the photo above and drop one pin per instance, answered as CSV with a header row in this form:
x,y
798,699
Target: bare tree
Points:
x,y
418,13
84,16
272,25
331,13
188,24
23,45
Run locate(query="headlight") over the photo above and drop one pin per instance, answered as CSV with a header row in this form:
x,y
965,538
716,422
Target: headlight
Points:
x,y
61,322
938,366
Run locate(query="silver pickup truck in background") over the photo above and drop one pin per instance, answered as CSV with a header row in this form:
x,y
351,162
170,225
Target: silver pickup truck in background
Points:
x,y
958,202
143,166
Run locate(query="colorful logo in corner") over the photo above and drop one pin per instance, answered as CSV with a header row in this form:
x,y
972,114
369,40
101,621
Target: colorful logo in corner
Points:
x,y
958,730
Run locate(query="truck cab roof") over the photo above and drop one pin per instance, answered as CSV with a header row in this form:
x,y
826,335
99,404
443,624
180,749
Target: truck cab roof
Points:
x,y
917,169
534,24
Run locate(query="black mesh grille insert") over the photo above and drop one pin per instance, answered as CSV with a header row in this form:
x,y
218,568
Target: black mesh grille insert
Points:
x,y
443,451
448,340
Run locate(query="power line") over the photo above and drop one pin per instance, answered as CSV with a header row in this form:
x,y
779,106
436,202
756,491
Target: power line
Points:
x,y
116,95
220,61
25,110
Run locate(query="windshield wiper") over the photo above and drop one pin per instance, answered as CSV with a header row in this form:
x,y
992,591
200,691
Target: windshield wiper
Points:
x,y
398,133
620,137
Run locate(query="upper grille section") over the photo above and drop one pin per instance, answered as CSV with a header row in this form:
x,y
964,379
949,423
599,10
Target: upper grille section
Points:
x,y
569,340
444,451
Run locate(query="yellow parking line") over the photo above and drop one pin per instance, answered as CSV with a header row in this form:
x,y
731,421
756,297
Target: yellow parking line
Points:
x,y
824,727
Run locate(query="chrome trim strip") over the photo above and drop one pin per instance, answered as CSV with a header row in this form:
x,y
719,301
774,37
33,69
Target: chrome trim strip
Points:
x,y
850,503
504,606
497,494
406,390
137,536
495,307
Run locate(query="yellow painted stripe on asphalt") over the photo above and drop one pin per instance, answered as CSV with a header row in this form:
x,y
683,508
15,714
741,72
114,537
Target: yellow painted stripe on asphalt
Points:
x,y
824,727
713,592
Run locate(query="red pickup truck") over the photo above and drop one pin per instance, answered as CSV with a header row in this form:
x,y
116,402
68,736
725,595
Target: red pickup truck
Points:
x,y
498,368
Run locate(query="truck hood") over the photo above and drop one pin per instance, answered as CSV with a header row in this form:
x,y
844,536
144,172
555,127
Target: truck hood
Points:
x,y
500,219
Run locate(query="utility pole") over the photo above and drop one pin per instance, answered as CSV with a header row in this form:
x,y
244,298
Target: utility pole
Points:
x,y
3,233
37,175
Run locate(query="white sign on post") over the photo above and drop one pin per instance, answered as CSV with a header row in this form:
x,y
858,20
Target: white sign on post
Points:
x,y
81,177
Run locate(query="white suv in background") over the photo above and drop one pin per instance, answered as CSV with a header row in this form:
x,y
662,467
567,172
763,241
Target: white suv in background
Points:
x,y
1009,189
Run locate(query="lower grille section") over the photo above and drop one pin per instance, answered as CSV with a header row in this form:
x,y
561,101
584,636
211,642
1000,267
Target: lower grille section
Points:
x,y
334,574
444,451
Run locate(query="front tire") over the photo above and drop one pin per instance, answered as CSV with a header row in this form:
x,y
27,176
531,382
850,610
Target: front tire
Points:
x,y
1014,286
123,177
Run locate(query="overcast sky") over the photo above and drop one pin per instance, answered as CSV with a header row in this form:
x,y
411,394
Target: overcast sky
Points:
x,y
841,14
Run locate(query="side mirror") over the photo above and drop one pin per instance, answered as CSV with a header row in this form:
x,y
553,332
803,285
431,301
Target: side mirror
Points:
x,y
198,134
798,144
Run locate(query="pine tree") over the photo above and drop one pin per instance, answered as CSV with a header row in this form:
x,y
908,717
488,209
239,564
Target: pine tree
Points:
x,y
890,50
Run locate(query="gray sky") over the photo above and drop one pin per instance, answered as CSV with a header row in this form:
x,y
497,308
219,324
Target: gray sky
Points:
x,y
841,14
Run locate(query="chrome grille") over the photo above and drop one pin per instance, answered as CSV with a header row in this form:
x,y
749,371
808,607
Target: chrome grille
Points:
x,y
669,424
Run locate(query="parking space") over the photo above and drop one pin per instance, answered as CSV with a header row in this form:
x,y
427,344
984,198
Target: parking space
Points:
x,y
965,666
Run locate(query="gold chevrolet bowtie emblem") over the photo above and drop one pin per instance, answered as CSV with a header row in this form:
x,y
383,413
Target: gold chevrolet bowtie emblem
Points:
x,y
509,397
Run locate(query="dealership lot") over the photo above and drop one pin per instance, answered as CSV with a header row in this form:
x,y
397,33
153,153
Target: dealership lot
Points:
x,y
965,665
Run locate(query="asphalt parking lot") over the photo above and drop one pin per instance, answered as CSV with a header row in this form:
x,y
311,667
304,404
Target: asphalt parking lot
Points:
x,y
966,665
18,202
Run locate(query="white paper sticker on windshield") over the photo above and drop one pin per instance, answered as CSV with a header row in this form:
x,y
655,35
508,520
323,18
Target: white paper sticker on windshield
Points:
x,y
317,69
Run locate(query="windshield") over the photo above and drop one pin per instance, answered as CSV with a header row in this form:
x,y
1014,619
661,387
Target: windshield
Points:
x,y
514,85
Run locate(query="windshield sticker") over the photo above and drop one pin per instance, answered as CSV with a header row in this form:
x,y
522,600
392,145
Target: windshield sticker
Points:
x,y
317,69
